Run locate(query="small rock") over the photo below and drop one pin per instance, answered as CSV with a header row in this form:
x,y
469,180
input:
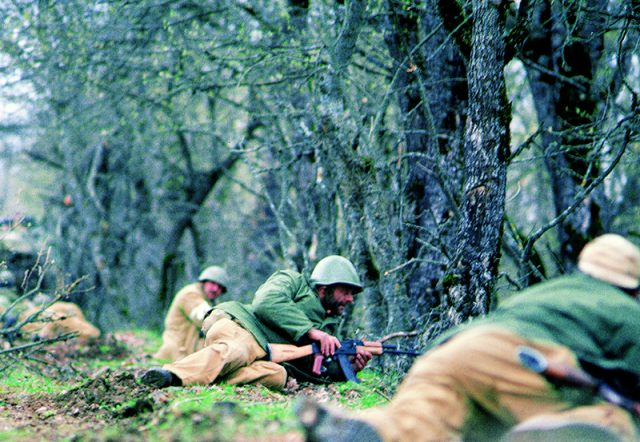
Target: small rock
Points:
x,y
100,372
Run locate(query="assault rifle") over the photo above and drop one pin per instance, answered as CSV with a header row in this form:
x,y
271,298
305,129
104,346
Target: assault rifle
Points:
x,y
538,363
287,352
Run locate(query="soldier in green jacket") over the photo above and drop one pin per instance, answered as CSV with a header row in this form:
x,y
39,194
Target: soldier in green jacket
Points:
x,y
288,309
470,385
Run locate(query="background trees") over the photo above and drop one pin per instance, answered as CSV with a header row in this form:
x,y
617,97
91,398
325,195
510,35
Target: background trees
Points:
x,y
455,151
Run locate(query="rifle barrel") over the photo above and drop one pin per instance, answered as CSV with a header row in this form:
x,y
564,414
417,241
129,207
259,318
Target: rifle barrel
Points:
x,y
402,352
392,349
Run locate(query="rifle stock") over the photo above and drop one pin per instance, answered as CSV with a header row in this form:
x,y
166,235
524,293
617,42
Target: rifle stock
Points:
x,y
288,352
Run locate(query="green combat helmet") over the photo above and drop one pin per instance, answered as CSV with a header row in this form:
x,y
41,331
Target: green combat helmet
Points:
x,y
335,270
215,274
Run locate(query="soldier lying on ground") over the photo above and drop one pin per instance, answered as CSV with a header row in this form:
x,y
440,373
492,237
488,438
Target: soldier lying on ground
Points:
x,y
471,386
60,317
182,325
288,309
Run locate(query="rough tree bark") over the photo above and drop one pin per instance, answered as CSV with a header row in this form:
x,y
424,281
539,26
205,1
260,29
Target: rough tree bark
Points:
x,y
486,154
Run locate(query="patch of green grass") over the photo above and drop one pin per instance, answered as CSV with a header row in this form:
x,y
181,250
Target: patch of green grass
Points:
x,y
99,363
118,407
28,382
17,434
228,411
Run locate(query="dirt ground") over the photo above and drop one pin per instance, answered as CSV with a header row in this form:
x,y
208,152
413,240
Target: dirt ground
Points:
x,y
106,404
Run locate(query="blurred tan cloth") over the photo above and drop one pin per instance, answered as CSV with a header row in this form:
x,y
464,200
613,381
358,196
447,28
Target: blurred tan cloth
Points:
x,y
474,384
65,317
181,334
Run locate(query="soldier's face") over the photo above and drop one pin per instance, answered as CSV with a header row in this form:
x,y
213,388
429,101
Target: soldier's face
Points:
x,y
336,297
212,290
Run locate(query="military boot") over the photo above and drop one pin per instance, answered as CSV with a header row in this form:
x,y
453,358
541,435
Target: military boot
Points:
x,y
160,378
322,425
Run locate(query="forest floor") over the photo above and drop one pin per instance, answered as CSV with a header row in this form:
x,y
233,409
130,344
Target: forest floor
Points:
x,y
91,393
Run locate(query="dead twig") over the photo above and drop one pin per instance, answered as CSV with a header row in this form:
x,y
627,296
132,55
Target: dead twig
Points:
x,y
398,335
28,351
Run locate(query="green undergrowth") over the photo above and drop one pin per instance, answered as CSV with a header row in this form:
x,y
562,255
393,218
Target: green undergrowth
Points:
x,y
228,413
97,397
28,382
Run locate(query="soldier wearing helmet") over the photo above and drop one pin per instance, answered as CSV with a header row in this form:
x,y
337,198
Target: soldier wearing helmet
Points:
x,y
471,385
288,308
182,325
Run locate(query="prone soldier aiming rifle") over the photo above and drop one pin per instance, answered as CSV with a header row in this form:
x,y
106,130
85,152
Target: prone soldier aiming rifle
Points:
x,y
286,352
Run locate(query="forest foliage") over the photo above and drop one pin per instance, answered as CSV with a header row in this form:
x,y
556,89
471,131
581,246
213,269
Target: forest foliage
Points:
x,y
455,151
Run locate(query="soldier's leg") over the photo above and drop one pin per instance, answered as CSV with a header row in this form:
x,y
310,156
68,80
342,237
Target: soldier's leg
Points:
x,y
450,391
211,318
428,406
599,422
229,347
267,373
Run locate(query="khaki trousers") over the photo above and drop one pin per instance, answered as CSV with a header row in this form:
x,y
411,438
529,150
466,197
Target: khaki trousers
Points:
x,y
473,386
232,355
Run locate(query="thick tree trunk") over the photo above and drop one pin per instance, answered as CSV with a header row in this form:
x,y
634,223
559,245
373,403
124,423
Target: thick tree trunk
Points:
x,y
486,155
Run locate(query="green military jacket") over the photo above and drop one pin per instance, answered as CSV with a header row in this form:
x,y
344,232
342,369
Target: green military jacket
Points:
x,y
597,321
283,310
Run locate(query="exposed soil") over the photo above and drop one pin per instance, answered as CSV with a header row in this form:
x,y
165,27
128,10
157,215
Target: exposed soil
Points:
x,y
108,404
98,398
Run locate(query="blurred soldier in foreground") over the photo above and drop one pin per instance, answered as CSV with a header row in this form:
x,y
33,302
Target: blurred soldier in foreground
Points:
x,y
472,386
287,309
182,325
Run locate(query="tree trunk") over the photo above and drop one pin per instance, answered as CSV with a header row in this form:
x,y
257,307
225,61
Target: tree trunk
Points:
x,y
486,154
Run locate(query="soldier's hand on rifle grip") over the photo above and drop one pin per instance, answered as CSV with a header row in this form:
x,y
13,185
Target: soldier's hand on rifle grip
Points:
x,y
359,361
328,344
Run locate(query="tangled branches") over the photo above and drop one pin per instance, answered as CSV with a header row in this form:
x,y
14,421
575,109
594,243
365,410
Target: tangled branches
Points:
x,y
20,343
